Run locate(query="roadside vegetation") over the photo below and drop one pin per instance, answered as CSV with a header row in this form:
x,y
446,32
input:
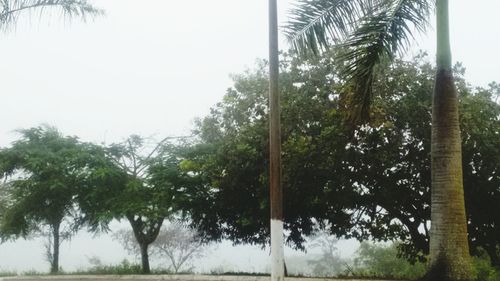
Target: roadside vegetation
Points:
x,y
371,261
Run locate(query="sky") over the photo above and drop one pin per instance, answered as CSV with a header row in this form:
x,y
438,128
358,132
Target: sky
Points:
x,y
150,67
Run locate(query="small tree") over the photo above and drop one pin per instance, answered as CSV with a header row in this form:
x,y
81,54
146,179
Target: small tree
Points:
x,y
178,244
44,171
144,188
329,263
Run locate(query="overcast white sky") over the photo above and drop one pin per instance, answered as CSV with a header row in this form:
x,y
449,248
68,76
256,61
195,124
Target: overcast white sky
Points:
x,y
151,66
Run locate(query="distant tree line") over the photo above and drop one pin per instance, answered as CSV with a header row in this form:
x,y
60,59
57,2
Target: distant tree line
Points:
x,y
369,182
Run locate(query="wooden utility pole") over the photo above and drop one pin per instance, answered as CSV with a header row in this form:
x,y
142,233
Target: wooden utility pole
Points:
x,y
276,193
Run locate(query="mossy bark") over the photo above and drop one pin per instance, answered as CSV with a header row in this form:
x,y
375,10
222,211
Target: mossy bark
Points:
x,y
449,249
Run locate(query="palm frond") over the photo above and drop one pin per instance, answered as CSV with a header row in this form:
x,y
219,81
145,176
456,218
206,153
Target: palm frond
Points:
x,y
368,32
386,33
10,10
313,23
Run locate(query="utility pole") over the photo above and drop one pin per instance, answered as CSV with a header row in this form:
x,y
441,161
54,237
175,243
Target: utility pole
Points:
x,y
276,192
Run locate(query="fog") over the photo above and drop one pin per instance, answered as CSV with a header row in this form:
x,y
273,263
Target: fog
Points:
x,y
150,67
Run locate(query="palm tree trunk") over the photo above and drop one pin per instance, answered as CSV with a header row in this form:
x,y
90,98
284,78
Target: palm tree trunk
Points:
x,y
449,249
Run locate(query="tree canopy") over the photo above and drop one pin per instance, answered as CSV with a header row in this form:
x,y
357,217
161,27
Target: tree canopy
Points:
x,y
44,173
372,32
231,158
143,184
370,184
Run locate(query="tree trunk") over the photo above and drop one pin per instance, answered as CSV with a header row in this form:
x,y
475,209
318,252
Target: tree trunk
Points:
x,y
54,266
449,249
145,258
145,234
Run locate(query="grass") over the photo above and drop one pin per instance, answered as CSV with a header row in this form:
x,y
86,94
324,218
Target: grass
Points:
x,y
481,266
7,273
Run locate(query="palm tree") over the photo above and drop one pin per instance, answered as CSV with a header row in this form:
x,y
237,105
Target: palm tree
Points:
x,y
372,31
10,10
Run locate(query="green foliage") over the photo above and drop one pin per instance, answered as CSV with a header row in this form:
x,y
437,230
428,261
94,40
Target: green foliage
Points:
x,y
141,183
369,32
384,30
136,182
383,261
391,157
45,173
230,161
315,24
483,270
7,273
390,160
146,189
481,153
123,268
33,272
379,261
369,183
220,270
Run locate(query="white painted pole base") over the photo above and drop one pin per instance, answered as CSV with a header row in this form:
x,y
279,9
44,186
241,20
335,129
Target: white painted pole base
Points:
x,y
277,251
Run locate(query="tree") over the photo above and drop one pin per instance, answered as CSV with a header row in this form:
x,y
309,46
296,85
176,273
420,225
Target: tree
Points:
x,y
382,29
44,171
231,199
176,243
10,10
389,160
143,187
180,245
329,263
481,149
373,184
